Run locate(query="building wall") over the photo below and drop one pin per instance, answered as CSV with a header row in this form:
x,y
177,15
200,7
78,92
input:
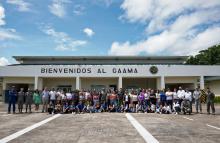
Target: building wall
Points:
x,y
27,80
186,82
139,82
54,82
17,80
107,70
87,82
214,86
181,79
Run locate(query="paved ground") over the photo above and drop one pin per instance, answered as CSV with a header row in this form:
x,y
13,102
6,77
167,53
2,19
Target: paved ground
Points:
x,y
111,127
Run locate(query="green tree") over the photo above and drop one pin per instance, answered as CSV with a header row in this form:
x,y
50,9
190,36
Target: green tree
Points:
x,y
210,56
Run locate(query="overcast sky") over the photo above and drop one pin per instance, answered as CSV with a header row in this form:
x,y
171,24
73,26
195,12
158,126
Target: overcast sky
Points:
x,y
107,27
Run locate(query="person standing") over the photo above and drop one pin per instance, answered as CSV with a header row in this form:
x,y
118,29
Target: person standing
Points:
x,y
52,94
21,96
158,98
58,96
147,99
45,98
12,99
28,100
188,96
180,94
134,100
162,97
175,96
120,97
210,101
126,101
169,98
141,100
197,96
95,98
153,101
37,100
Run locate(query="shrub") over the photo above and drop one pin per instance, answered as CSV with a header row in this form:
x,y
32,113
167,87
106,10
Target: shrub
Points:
x,y
217,99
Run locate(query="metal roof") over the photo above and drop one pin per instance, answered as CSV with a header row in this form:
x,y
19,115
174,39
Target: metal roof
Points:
x,y
100,59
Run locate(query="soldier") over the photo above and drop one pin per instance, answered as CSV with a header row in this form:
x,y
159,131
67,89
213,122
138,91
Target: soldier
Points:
x,y
12,99
210,101
20,100
28,100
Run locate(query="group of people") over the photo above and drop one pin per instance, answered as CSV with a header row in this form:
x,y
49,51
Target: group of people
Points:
x,y
109,100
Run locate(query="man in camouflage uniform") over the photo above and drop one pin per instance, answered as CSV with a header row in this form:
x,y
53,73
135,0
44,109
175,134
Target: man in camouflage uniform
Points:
x,y
210,101
28,100
20,100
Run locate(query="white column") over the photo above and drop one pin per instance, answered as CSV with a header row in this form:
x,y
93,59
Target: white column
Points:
x,y
202,83
4,84
78,83
162,82
119,82
40,83
158,83
35,82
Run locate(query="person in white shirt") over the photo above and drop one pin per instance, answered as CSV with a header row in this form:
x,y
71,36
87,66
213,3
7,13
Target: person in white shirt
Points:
x,y
69,97
169,98
197,96
175,96
180,95
52,94
176,107
188,96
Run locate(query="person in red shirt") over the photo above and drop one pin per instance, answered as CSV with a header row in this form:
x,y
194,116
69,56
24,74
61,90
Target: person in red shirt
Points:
x,y
113,99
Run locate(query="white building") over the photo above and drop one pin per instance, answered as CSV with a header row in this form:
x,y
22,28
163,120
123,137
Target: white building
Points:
x,y
88,72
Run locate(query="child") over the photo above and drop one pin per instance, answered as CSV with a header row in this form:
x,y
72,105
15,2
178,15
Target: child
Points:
x,y
152,108
66,107
112,108
159,108
58,108
90,108
166,109
50,109
176,107
80,107
72,108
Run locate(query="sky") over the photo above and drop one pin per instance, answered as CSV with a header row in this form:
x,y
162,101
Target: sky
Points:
x,y
107,27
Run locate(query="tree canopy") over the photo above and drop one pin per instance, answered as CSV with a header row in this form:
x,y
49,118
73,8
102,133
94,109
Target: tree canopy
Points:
x,y
210,56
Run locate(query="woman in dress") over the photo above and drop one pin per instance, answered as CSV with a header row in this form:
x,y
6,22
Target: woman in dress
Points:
x,y
36,99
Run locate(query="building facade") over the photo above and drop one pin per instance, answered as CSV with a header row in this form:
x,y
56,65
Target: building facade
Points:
x,y
95,72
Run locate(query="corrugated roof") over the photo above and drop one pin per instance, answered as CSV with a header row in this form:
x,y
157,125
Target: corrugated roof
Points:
x,y
100,59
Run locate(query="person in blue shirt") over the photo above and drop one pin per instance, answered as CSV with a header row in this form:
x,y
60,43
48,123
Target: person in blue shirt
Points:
x,y
12,99
162,97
